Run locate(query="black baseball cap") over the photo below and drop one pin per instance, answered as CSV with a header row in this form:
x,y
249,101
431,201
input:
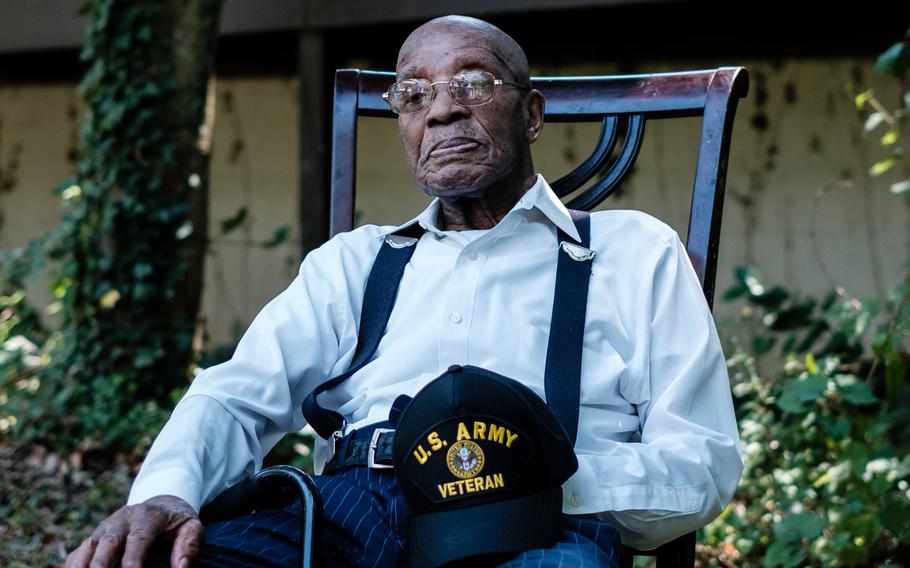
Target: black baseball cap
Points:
x,y
480,460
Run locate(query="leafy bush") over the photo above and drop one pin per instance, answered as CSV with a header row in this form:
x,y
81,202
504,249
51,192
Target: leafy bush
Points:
x,y
825,434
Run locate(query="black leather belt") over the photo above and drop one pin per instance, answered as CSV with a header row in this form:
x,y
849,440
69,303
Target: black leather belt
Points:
x,y
362,448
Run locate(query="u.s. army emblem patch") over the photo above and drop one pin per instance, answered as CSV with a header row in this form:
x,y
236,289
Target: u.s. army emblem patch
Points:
x,y
464,456
465,459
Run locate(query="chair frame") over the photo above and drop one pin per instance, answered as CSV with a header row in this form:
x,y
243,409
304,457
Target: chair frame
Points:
x,y
712,94
262,491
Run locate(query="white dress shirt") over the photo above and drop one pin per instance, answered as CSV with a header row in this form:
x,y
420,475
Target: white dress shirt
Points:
x,y
658,447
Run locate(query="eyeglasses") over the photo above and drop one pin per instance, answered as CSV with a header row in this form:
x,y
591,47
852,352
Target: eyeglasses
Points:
x,y
468,88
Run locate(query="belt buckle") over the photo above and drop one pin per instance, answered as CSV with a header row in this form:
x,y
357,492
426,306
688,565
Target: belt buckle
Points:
x,y
371,453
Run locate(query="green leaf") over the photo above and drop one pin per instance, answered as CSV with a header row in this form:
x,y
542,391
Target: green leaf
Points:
x,y
797,526
109,299
811,365
145,33
750,279
234,221
883,166
837,428
889,138
796,316
894,61
773,298
761,344
873,121
861,99
830,298
796,393
783,554
142,269
895,375
281,235
900,187
880,343
903,467
815,331
896,516
185,230
858,394
735,291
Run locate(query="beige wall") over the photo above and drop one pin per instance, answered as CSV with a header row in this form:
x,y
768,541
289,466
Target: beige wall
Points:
x,y
38,135
856,237
254,164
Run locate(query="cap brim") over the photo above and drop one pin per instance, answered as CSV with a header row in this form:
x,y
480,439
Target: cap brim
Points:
x,y
519,524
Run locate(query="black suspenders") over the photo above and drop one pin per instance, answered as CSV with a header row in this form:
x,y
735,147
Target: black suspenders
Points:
x,y
378,299
562,378
562,375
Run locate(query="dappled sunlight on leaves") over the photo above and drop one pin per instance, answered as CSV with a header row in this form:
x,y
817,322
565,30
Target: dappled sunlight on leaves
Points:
x,y
825,430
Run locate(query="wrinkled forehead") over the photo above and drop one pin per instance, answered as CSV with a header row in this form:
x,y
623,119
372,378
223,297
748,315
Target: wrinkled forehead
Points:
x,y
449,49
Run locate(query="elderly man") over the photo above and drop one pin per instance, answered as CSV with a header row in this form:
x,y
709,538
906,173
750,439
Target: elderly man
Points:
x,y
657,444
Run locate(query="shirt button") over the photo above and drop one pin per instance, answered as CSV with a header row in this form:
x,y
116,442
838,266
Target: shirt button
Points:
x,y
574,500
455,317
472,255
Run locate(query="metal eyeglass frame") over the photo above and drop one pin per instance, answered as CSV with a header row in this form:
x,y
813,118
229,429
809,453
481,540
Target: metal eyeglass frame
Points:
x,y
496,83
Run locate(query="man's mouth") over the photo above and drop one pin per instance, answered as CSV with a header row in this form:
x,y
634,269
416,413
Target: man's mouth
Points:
x,y
453,146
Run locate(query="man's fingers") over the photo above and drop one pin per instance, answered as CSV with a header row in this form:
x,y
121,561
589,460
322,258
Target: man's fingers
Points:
x,y
187,542
80,557
125,538
107,551
138,543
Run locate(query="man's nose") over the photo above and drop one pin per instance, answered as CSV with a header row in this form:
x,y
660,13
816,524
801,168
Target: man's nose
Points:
x,y
443,109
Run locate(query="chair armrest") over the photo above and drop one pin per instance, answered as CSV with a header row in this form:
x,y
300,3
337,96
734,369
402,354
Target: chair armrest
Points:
x,y
268,490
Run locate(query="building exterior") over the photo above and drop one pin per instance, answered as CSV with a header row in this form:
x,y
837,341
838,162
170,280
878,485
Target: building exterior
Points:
x,y
800,205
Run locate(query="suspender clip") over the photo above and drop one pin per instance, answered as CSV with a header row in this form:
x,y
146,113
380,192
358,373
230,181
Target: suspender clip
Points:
x,y
334,440
374,443
400,241
577,252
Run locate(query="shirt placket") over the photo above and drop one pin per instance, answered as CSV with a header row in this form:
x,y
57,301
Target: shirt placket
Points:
x,y
459,305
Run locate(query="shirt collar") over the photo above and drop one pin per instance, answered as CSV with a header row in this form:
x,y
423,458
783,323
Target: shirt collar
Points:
x,y
540,196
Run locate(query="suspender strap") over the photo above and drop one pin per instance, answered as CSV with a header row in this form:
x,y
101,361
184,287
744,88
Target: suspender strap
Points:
x,y
378,299
562,378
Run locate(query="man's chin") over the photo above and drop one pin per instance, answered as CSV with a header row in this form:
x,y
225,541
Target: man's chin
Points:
x,y
455,182
454,191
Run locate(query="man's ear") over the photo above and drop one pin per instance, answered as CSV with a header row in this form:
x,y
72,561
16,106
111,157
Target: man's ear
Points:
x,y
534,107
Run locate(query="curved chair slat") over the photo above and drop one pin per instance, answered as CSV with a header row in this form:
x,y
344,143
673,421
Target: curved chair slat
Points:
x,y
589,168
605,186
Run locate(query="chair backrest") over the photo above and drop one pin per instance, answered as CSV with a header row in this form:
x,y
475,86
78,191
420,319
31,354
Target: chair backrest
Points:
x,y
622,103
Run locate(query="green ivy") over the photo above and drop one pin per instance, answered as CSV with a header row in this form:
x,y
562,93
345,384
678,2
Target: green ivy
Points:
x,y
130,243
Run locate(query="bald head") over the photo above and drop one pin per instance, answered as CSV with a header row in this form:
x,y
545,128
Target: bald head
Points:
x,y
500,44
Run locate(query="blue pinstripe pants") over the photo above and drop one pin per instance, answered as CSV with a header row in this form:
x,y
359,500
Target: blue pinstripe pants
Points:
x,y
365,526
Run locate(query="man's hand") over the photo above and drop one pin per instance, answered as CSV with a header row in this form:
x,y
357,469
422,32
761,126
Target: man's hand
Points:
x,y
130,532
